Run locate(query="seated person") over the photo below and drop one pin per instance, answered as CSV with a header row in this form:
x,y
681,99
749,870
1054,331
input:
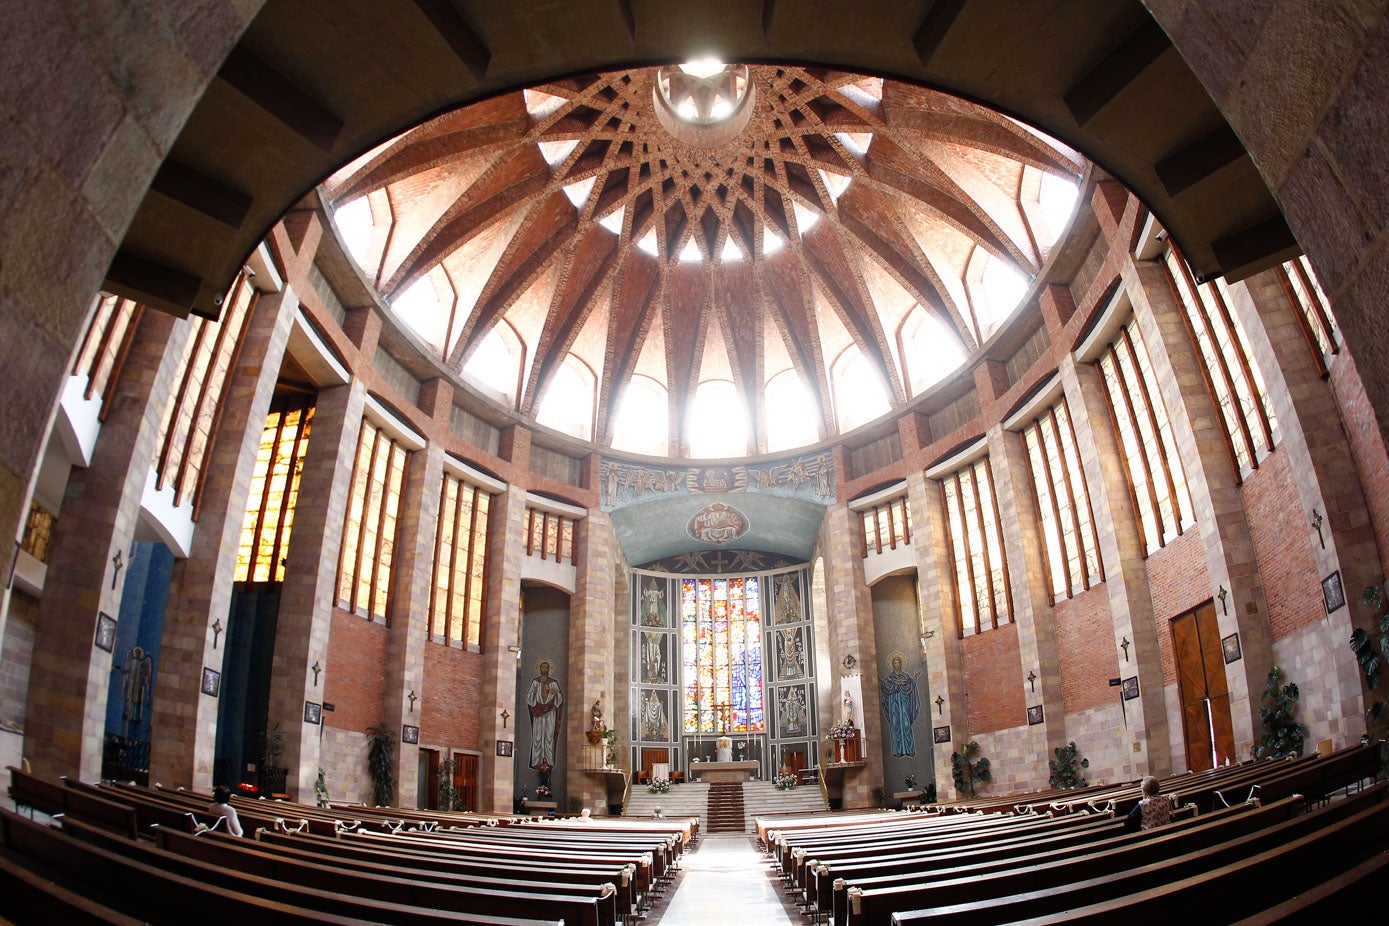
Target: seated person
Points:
x,y
658,813
1152,810
221,806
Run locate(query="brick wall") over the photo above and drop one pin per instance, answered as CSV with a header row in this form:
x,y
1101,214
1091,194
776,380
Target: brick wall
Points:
x,y
1178,579
448,714
1366,442
355,681
1085,642
992,674
1287,565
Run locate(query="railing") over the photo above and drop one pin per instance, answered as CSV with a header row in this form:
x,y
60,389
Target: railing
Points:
x,y
125,759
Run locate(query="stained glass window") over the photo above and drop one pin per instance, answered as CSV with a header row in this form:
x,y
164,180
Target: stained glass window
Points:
x,y
721,652
368,538
458,598
974,535
264,544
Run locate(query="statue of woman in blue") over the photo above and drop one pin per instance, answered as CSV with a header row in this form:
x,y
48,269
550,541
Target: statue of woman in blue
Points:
x,y
902,705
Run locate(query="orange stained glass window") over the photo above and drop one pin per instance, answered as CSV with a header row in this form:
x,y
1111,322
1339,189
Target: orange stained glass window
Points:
x,y
1063,504
983,597
265,530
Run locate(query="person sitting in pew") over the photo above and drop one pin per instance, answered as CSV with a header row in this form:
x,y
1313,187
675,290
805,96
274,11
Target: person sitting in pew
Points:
x,y
658,813
221,806
1153,810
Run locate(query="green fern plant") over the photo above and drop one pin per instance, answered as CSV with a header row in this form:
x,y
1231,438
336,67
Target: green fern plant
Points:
x,y
1372,655
381,763
968,771
1065,768
448,794
1283,736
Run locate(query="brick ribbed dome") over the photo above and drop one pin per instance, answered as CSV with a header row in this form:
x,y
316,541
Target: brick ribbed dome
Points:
x,y
571,218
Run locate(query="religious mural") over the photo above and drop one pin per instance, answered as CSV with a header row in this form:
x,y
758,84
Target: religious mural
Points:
x,y
655,716
787,599
655,658
544,699
715,562
790,651
792,711
717,523
810,478
901,704
654,611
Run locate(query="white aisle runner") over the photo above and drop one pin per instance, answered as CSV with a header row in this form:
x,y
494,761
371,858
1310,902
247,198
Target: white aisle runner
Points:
x,y
724,882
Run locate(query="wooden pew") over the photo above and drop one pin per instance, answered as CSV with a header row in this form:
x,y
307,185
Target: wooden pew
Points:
x,y
212,898
55,800
29,897
1160,857
1221,884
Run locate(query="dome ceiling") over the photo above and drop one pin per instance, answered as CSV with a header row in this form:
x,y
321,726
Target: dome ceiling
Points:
x,y
798,225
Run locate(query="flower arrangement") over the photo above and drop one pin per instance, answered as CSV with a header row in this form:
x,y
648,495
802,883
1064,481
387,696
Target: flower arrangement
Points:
x,y
785,782
844,730
659,785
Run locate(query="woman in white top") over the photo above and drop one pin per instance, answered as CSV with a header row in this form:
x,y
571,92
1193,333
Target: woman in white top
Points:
x,y
221,806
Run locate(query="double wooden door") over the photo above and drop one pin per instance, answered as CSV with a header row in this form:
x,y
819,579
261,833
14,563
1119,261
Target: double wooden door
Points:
x,y
1205,696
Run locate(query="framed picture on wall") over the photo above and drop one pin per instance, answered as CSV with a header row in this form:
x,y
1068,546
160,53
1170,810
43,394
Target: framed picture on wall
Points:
x,y
1230,647
1332,592
1034,714
940,734
1130,687
505,747
212,682
409,734
313,712
105,632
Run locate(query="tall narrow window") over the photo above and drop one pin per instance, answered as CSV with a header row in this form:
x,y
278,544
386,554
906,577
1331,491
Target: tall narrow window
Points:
x,y
195,409
1232,373
1156,478
1313,308
983,597
721,655
885,525
458,598
1063,504
369,536
264,544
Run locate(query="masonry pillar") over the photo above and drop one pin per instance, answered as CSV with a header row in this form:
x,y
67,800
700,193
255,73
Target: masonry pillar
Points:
x,y
851,633
413,582
184,729
505,546
591,647
310,587
1324,471
940,625
1125,571
69,675
1031,585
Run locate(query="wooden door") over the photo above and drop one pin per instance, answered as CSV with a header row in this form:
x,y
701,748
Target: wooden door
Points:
x,y
793,760
465,780
650,757
429,779
1205,696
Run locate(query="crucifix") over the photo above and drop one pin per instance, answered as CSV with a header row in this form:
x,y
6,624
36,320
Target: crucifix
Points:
x,y
118,563
1032,679
1221,595
939,701
216,632
412,699
1316,522
506,715
1125,644
316,669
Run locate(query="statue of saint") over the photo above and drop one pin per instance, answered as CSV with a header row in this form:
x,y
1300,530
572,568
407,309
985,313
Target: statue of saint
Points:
x,y
596,712
847,715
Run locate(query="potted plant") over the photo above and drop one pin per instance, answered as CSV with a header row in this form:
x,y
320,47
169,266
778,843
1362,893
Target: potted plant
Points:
x,y
1283,737
659,786
1065,768
609,735
381,763
1372,654
271,776
448,794
786,781
967,770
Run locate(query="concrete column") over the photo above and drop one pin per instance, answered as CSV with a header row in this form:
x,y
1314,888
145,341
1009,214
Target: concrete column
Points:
x,y
936,592
591,670
69,676
1125,570
506,545
1031,585
183,734
310,588
851,633
413,581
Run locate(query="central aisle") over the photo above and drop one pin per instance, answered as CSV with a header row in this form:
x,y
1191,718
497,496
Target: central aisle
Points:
x,y
725,880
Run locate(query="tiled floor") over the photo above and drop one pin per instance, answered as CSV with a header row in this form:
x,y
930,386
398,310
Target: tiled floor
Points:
x,y
725,881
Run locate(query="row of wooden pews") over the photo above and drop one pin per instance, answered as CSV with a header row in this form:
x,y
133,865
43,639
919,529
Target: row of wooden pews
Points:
x,y
117,851
1052,854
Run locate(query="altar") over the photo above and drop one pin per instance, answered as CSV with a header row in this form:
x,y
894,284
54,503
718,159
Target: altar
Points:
x,y
725,771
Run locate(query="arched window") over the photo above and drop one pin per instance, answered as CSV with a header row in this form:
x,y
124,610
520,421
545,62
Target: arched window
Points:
x,y
793,415
995,288
642,422
567,404
717,425
426,314
355,228
497,362
1057,199
930,350
859,396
